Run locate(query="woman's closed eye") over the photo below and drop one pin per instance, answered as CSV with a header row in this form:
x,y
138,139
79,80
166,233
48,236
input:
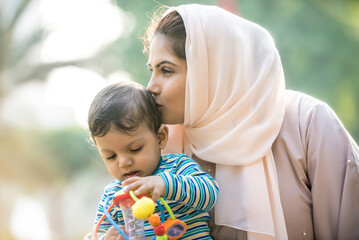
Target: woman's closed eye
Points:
x,y
166,70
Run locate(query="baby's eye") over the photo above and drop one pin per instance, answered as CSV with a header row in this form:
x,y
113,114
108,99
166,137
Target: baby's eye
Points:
x,y
137,149
111,157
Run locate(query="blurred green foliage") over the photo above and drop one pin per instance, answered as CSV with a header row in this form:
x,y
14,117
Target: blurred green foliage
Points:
x,y
40,159
318,42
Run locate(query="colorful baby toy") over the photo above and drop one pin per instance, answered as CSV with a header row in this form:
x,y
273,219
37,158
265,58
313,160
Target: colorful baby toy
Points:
x,y
135,210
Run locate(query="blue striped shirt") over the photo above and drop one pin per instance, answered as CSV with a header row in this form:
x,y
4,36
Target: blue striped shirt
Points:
x,y
190,193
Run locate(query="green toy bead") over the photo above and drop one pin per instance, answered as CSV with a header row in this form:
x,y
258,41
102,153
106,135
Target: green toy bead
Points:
x,y
163,237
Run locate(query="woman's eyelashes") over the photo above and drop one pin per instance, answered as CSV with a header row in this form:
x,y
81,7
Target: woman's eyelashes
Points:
x,y
166,70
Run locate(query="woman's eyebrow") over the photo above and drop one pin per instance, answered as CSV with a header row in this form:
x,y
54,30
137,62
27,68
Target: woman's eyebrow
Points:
x,y
160,63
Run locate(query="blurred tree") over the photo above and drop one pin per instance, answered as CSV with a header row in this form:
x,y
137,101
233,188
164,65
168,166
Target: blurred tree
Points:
x,y
19,57
14,54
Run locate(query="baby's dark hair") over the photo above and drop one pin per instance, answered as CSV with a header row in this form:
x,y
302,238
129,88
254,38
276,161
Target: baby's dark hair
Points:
x,y
125,105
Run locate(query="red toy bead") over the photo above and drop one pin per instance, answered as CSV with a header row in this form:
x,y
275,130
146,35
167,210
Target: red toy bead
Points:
x,y
159,230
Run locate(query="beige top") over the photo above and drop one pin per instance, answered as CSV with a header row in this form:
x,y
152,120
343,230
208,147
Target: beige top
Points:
x,y
317,165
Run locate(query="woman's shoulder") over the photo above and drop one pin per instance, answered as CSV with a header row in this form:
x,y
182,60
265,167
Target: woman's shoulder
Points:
x,y
306,116
302,112
302,108
300,101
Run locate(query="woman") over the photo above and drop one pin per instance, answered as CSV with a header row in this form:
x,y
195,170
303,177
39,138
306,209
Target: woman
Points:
x,y
286,166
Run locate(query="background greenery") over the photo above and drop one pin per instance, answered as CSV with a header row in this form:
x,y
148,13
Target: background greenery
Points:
x,y
317,40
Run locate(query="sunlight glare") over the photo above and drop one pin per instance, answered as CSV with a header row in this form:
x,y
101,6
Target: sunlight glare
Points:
x,y
78,28
28,220
73,88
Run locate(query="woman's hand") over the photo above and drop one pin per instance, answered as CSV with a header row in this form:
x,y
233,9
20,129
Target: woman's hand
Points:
x,y
145,185
113,234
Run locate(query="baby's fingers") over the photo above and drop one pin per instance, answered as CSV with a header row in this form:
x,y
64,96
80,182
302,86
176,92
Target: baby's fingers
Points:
x,y
113,234
124,231
131,180
156,194
146,188
132,184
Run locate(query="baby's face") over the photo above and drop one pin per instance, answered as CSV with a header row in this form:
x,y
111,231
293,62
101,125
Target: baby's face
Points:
x,y
126,156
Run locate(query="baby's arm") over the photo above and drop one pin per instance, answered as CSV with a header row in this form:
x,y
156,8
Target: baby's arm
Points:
x,y
185,183
190,185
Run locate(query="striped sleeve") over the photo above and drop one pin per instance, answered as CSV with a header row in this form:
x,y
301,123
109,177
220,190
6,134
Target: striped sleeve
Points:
x,y
188,184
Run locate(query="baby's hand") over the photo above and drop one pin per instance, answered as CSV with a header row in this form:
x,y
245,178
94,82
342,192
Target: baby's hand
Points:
x,y
113,234
146,185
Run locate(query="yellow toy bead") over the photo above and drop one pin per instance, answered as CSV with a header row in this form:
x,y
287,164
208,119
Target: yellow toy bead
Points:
x,y
143,208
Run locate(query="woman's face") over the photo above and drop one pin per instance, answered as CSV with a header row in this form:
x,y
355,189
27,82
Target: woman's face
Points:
x,y
168,80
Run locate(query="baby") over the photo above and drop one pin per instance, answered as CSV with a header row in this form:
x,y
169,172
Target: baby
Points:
x,y
126,128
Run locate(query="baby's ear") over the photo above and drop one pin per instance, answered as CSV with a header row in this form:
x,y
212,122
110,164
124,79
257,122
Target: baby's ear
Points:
x,y
162,136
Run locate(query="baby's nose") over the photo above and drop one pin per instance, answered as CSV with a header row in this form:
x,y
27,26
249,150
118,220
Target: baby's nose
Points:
x,y
124,161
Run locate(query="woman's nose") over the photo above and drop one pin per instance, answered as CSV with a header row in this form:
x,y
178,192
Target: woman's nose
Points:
x,y
153,87
124,161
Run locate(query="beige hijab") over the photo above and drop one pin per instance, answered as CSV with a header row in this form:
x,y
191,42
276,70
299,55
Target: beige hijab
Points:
x,y
233,113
